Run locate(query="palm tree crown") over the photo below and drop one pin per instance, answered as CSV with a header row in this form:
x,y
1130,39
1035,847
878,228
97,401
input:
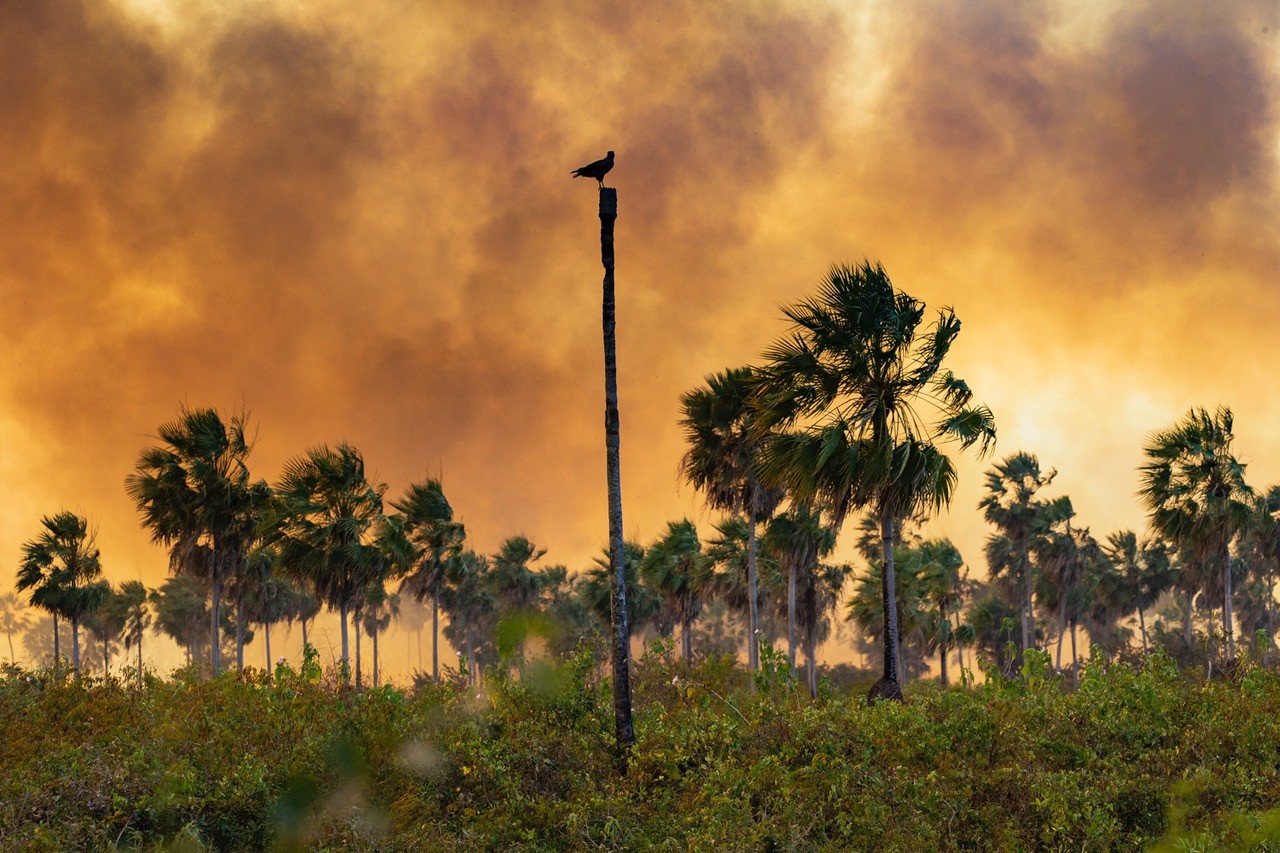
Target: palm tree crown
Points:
x,y
852,380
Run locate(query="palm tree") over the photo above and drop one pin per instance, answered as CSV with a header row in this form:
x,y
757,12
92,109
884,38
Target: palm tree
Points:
x,y
132,599
327,524
61,568
14,619
850,380
467,598
729,552
798,539
817,594
1012,506
723,462
106,624
942,581
1145,572
644,606
195,495
380,609
1195,492
436,538
676,569
182,612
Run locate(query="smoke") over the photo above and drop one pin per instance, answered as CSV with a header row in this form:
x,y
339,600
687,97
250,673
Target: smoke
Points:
x,y
359,225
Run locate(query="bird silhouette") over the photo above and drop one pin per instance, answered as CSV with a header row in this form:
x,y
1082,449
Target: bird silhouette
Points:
x,y
596,170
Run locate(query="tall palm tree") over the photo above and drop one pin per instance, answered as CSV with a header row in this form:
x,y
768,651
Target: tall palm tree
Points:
x,y
817,594
851,381
61,568
722,461
798,539
380,609
326,523
133,604
676,569
730,554
644,606
182,612
1012,505
436,538
196,496
106,624
1195,493
14,619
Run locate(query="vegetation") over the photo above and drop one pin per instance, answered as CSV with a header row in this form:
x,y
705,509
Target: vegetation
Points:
x,y
1138,755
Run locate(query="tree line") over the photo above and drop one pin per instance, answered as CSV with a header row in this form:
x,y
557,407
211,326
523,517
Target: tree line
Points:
x,y
848,415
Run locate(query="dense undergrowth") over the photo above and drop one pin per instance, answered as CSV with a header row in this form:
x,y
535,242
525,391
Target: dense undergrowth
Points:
x,y
1135,757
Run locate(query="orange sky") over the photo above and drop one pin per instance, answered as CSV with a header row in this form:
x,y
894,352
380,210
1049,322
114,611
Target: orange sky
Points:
x,y
355,220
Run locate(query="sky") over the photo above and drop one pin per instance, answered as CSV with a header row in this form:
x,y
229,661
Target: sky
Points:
x,y
356,223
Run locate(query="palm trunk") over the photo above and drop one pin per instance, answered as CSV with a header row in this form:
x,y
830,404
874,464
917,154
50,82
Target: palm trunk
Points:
x,y
791,617
57,654
346,657
240,634
305,641
1142,624
1028,618
753,642
214,657
358,630
810,653
266,630
1190,599
106,658
472,676
1062,630
1075,665
942,651
686,636
435,637
623,730
888,686
1227,615
12,659
75,646
139,659
375,656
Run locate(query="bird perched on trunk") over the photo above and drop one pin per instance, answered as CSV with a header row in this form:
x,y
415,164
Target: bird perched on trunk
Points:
x,y
596,170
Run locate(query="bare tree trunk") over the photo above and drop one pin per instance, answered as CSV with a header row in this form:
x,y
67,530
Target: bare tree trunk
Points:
x,y
435,637
791,617
810,653
1075,664
305,641
75,646
686,636
346,658
1028,617
1228,617
215,658
1062,630
1142,624
57,655
375,656
1190,600
240,633
266,630
753,630
12,659
139,658
888,686
623,730
472,676
942,646
357,629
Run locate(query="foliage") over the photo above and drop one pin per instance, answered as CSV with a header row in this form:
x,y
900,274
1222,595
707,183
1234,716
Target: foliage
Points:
x,y
1137,756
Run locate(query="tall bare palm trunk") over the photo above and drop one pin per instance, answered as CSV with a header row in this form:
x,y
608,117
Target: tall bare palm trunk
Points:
x,y
375,656
239,632
1075,660
1190,600
1062,630
357,629
1028,619
1142,624
266,630
57,654
623,730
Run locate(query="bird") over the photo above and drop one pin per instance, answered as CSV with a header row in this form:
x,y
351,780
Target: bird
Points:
x,y
596,170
